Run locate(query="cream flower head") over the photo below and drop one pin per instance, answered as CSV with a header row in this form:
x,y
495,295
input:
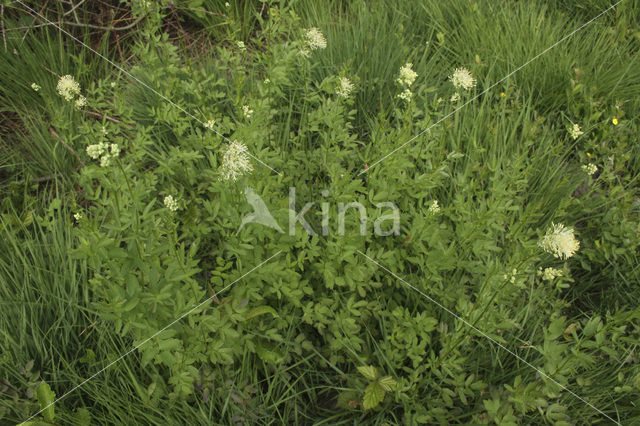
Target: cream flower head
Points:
x,y
560,241
315,39
576,132
407,75
235,161
345,88
170,203
462,78
68,87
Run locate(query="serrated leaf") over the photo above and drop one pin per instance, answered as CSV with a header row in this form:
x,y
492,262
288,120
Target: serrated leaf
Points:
x,y
388,383
369,372
45,398
373,395
348,400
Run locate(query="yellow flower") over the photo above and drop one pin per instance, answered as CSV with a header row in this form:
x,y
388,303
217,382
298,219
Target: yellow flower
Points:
x,y
502,94
614,121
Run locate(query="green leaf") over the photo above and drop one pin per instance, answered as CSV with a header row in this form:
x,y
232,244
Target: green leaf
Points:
x,y
373,395
268,353
368,371
45,398
82,417
556,328
348,400
592,326
261,310
388,383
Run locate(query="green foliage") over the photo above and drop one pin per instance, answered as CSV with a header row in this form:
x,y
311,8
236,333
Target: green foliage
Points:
x,y
95,265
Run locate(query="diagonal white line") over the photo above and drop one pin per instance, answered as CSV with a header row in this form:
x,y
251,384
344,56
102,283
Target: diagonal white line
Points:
x,y
150,337
143,83
440,305
489,88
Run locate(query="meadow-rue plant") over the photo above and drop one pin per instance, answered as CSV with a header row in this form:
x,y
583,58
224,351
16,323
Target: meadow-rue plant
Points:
x,y
68,87
589,168
170,203
560,241
103,150
80,102
576,132
407,75
549,274
35,86
235,161
96,150
165,227
305,53
246,111
114,151
314,39
345,87
405,95
462,79
512,276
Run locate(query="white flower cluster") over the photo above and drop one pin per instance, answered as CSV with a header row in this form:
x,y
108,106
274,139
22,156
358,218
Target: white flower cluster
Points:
x,y
407,75
209,124
235,161
78,216
560,241
170,203
241,45
455,97
35,86
405,95
576,132
405,79
105,151
345,88
589,168
247,111
80,102
462,79
549,274
434,207
68,87
512,276
314,39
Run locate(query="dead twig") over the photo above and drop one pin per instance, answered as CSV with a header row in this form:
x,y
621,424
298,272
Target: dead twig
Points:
x,y
101,115
2,28
54,133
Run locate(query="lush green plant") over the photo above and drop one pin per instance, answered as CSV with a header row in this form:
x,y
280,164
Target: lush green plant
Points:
x,y
120,235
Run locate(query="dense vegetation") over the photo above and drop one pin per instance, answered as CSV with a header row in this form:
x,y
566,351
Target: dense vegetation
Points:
x,y
506,133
